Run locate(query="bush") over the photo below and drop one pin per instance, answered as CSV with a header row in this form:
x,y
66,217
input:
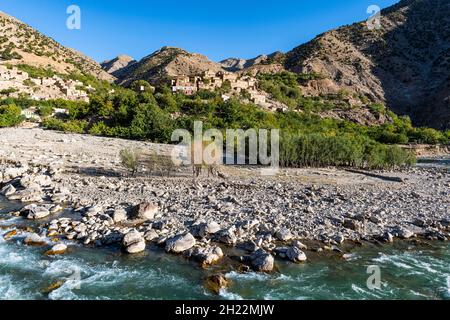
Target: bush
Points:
x,y
317,150
45,111
10,115
130,159
75,126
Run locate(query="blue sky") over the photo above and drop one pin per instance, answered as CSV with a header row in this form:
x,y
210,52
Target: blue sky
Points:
x,y
218,29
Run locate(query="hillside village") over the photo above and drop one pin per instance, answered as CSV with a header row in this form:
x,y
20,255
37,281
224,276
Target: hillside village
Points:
x,y
15,83
211,80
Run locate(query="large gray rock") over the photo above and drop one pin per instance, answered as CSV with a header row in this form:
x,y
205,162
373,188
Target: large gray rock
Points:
x,y
40,180
295,255
119,215
11,173
180,243
34,212
133,242
227,237
207,256
34,240
8,190
262,261
284,234
144,211
404,233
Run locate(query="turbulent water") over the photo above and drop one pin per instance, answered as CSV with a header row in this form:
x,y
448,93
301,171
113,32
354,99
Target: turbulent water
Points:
x,y
406,272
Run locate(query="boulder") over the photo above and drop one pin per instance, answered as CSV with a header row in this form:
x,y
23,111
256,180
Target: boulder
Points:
x,y
35,212
216,283
180,243
34,240
262,261
210,227
144,211
136,247
284,234
227,237
403,233
11,173
295,255
133,242
207,256
151,235
249,246
387,237
39,180
8,190
57,249
300,245
119,215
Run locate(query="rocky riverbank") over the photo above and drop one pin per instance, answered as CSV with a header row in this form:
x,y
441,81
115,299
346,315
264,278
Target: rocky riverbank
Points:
x,y
74,188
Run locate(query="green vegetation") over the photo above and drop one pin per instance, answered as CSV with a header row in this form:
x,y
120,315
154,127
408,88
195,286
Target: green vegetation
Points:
x,y
10,115
284,87
45,111
145,113
317,150
130,159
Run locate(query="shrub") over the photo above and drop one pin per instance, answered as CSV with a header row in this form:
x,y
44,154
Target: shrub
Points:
x,y
130,159
45,111
10,115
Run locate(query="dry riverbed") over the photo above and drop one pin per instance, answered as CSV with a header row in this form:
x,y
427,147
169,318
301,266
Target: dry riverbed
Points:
x,y
285,216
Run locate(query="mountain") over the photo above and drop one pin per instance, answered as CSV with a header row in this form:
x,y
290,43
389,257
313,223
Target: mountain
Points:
x,y
166,63
21,44
405,64
116,65
237,64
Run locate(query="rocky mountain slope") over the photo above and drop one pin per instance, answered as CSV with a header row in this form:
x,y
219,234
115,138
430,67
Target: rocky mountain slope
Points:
x,y
21,44
238,64
166,63
116,65
405,64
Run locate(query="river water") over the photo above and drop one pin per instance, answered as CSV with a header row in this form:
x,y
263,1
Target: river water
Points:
x,y
405,271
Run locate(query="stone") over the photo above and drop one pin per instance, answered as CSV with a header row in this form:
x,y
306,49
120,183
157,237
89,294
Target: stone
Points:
x,y
261,261
11,173
133,242
207,256
284,234
180,243
57,249
300,245
296,255
216,283
35,212
151,235
211,227
354,225
227,237
403,233
249,246
136,247
131,237
339,239
8,190
387,237
144,211
10,234
34,240
119,215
